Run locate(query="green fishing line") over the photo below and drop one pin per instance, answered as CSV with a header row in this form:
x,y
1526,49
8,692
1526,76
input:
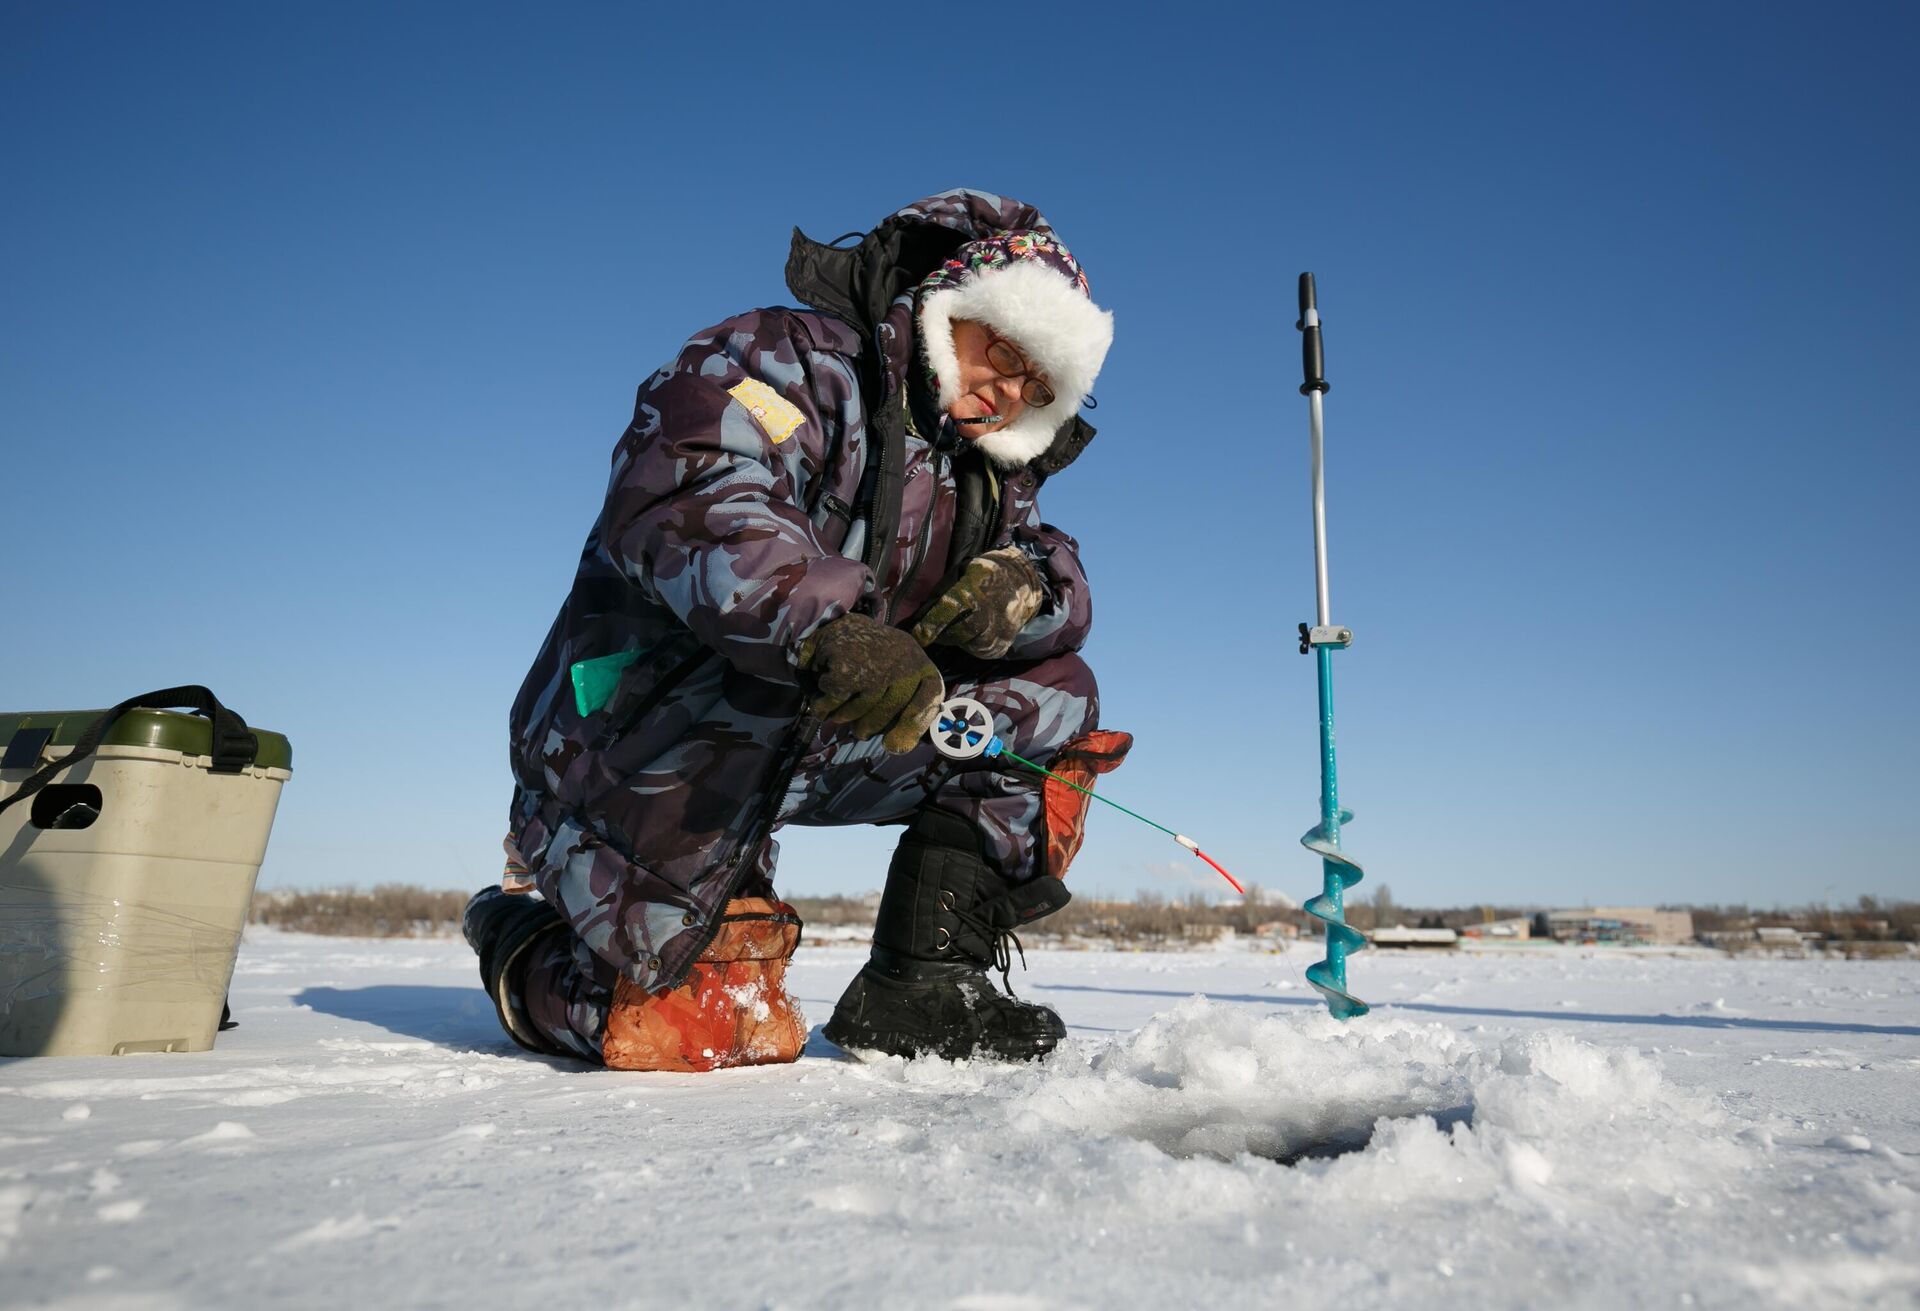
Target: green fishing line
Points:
x,y
1089,792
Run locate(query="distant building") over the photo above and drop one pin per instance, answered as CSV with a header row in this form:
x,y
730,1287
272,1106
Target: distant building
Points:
x,y
1622,924
1206,932
1587,926
1514,930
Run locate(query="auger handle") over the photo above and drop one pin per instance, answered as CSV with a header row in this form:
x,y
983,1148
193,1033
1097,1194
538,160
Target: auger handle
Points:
x,y
1313,363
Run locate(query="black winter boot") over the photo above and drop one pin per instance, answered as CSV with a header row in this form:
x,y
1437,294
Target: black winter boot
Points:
x,y
502,927
946,916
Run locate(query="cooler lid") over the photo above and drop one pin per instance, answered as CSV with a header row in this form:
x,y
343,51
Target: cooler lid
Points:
x,y
169,730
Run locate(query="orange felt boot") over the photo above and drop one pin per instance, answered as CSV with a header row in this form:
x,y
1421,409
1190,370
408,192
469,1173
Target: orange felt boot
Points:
x,y
733,1009
1082,761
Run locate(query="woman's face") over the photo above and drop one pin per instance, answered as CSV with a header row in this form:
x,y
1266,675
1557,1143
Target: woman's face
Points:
x,y
984,393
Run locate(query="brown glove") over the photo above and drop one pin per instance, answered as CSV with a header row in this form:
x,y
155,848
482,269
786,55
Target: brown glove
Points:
x,y
986,607
874,677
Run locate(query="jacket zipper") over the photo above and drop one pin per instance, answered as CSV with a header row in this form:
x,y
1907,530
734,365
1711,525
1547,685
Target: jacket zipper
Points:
x,y
917,555
880,544
757,832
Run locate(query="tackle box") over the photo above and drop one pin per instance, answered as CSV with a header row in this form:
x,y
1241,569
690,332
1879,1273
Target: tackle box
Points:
x,y
124,882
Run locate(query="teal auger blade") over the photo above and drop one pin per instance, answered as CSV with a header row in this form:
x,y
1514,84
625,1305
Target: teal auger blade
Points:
x,y
1341,872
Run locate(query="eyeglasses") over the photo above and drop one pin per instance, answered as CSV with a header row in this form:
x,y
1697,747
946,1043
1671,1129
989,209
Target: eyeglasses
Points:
x,y
1010,363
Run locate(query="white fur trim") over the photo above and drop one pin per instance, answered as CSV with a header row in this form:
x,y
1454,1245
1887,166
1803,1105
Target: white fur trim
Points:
x,y
1020,442
1064,334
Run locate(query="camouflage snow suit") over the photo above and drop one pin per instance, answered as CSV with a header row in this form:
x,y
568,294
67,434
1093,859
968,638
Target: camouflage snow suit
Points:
x,y
736,522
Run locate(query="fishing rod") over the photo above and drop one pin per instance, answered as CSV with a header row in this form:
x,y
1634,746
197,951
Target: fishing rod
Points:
x,y
1338,870
963,730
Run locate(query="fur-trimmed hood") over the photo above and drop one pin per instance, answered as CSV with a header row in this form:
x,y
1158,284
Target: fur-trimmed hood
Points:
x,y
1027,287
971,254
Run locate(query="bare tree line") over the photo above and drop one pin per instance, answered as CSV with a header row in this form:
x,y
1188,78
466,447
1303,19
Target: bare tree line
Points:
x,y
398,910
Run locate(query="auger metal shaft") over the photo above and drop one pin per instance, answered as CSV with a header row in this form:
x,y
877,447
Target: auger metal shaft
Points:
x,y
1317,421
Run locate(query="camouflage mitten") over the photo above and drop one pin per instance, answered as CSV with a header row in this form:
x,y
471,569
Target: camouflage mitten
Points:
x,y
873,677
987,607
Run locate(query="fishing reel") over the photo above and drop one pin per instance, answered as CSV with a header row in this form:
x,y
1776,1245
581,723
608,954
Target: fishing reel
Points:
x,y
963,730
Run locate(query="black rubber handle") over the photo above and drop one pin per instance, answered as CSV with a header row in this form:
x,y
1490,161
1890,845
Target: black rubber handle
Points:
x,y
1313,364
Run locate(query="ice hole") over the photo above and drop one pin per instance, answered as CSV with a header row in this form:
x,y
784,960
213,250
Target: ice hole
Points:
x,y
1230,1138
1354,1140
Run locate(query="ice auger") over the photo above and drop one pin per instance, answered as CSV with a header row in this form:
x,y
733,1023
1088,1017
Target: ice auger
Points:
x,y
1338,870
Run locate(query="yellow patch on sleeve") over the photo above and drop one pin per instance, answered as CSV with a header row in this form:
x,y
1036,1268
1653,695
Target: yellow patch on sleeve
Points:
x,y
777,416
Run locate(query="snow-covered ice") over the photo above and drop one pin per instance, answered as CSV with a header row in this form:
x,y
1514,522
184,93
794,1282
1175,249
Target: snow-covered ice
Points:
x,y
1517,1128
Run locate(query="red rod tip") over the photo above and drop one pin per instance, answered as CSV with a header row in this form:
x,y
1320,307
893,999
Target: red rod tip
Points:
x,y
1223,873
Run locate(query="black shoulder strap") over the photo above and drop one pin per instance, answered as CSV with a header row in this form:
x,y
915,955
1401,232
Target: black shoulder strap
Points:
x,y
887,431
859,284
234,745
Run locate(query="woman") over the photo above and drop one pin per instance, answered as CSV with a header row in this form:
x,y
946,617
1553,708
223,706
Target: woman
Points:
x,y
819,525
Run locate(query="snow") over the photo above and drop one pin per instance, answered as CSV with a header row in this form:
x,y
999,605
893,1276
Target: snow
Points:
x,y
1510,1128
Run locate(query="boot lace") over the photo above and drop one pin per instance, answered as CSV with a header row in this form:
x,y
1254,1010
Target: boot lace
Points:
x,y
998,937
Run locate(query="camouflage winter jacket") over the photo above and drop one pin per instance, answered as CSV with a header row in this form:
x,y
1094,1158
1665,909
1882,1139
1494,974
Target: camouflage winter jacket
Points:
x,y
734,524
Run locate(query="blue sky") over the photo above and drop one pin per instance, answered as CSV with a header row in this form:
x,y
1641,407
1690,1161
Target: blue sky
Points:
x,y
319,323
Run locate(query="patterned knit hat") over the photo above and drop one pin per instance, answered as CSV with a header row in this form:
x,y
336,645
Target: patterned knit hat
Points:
x,y
1027,287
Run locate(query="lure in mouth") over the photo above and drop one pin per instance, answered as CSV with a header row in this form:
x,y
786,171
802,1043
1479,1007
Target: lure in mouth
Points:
x,y
985,418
